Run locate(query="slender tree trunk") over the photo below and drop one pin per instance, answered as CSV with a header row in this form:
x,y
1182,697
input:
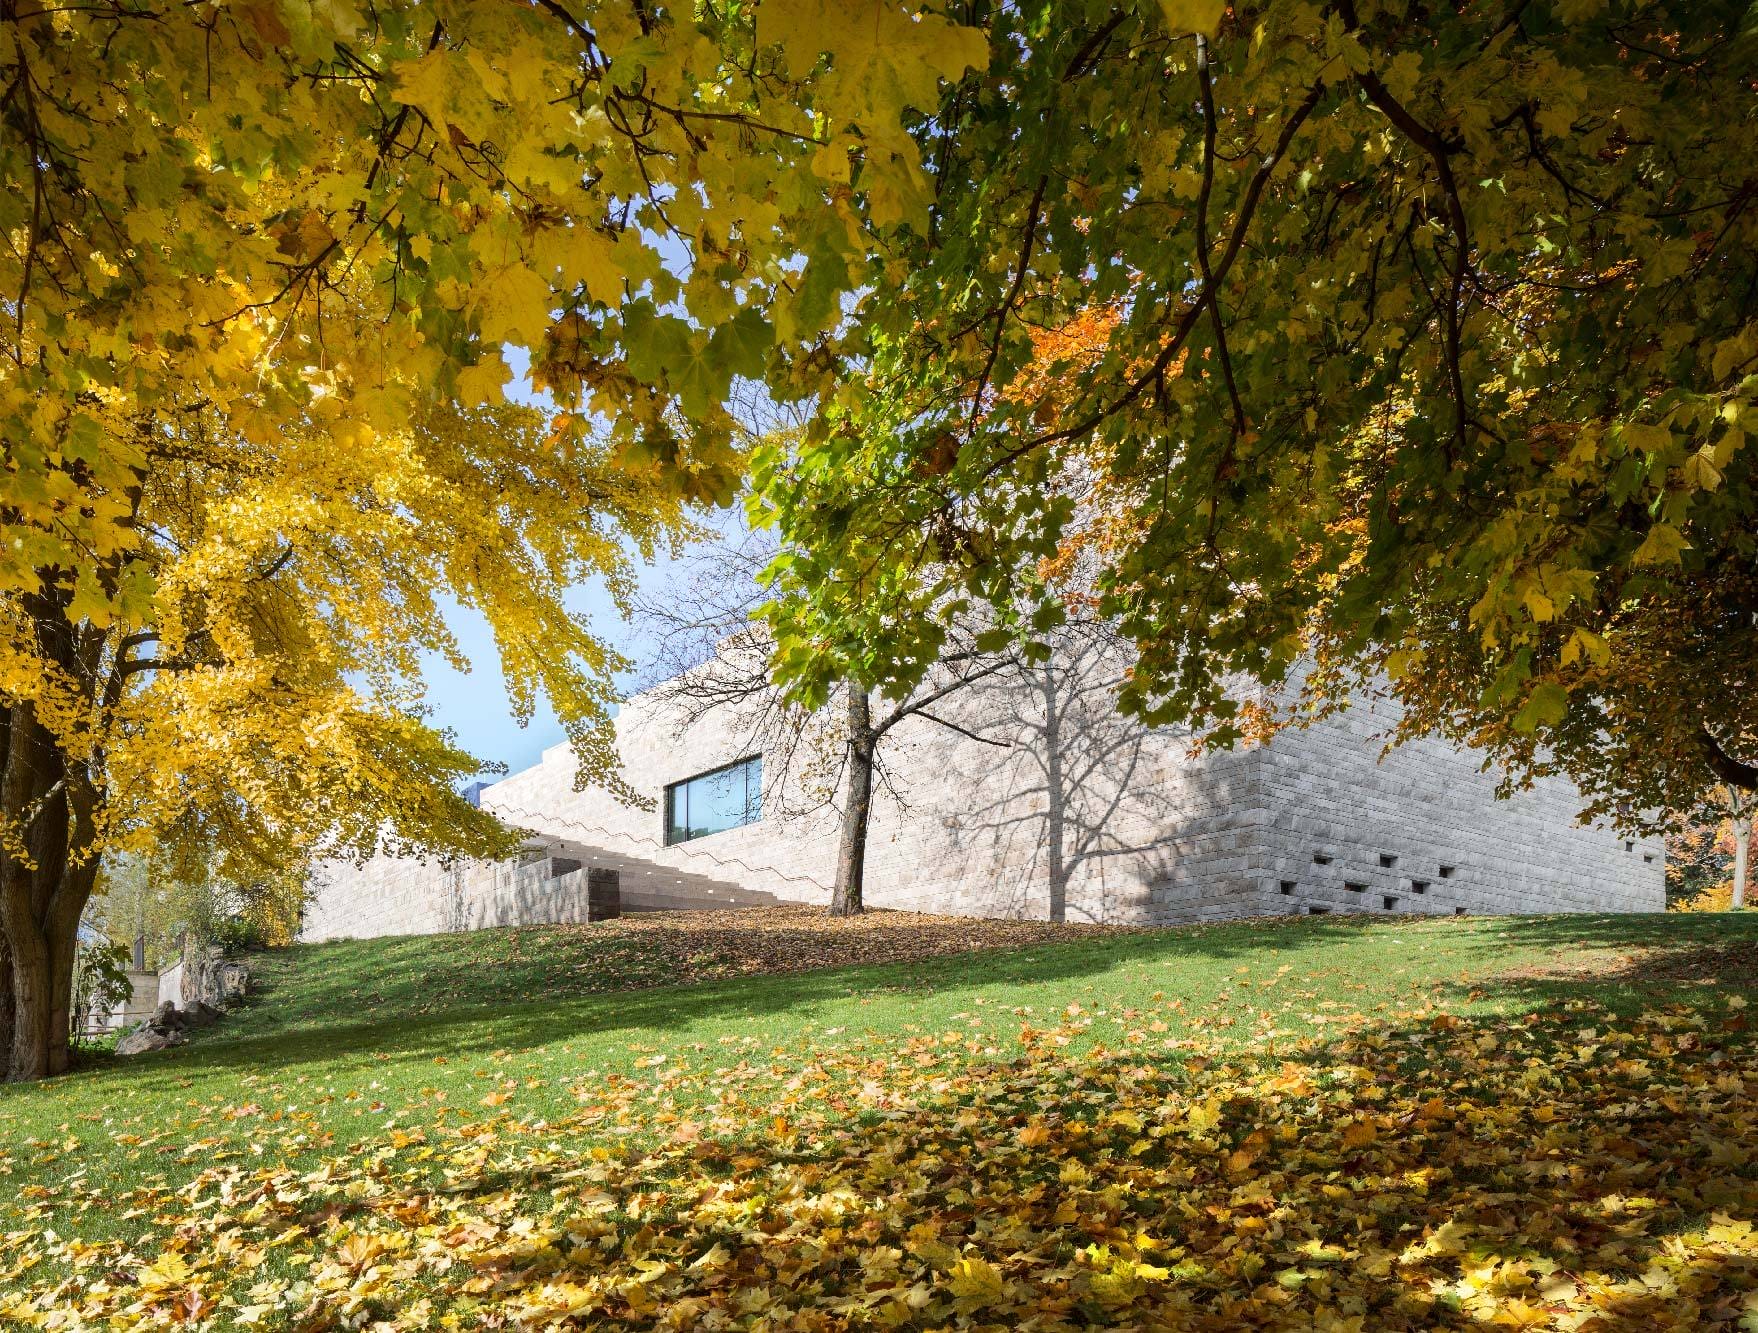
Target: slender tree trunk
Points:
x,y
851,858
1742,844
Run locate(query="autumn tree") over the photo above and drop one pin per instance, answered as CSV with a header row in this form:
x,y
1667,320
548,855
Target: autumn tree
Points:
x,y
262,263
1430,349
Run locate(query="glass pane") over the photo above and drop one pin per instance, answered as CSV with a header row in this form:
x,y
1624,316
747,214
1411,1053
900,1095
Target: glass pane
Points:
x,y
753,790
677,813
715,802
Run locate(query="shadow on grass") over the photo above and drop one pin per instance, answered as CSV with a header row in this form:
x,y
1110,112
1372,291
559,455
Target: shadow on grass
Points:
x,y
458,1022
334,1014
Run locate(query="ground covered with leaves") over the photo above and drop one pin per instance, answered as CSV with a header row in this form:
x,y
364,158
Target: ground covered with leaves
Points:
x,y
1304,1124
415,975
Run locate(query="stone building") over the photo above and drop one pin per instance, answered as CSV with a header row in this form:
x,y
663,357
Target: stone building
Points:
x,y
1044,802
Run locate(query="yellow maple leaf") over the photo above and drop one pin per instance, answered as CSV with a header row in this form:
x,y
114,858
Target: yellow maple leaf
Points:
x,y
1360,1133
975,1282
1193,16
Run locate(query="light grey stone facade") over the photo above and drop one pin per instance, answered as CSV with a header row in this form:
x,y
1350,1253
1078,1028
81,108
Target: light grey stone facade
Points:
x,y
1064,807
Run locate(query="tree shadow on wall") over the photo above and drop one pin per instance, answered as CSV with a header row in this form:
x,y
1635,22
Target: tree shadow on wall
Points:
x,y
1083,801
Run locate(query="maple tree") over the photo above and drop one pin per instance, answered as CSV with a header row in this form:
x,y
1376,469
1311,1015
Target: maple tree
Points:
x,y
263,262
1419,341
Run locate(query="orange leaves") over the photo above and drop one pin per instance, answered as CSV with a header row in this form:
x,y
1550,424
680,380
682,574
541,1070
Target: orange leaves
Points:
x,y
1253,1194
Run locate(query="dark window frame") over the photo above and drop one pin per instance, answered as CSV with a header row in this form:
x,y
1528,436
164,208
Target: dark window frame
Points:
x,y
672,837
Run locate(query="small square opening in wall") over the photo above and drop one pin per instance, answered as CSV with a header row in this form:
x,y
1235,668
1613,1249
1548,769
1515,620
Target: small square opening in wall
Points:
x,y
1356,888
1387,860
1390,902
1647,858
1312,909
1321,859
1419,886
1458,911
1629,846
1287,887
1447,872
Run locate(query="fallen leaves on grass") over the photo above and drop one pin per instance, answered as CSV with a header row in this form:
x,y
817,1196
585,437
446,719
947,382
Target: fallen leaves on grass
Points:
x,y
1570,1169
681,947
1730,966
543,963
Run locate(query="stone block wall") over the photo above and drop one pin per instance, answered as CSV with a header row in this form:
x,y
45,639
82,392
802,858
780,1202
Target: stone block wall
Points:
x,y
1431,811
1046,802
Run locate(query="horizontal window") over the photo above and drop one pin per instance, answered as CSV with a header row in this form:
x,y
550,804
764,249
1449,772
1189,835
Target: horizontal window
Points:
x,y
715,801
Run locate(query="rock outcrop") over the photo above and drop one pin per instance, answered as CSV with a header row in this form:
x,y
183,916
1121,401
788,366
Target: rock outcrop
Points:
x,y
217,982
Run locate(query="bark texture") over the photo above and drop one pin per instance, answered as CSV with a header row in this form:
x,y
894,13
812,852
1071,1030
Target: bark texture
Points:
x,y
848,897
47,866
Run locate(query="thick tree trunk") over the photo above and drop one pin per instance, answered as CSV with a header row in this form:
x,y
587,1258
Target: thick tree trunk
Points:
x,y
43,892
33,1001
847,899
1742,846
39,1009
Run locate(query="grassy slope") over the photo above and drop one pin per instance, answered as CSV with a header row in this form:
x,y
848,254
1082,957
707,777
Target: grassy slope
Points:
x,y
354,1045
356,1037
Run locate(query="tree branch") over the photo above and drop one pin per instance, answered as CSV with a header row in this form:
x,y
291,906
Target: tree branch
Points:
x,y
1209,295
1734,772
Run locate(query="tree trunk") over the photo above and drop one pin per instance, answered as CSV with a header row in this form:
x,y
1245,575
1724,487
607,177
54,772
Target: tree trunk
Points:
x,y
6,1007
32,1003
1742,846
851,858
40,1008
43,892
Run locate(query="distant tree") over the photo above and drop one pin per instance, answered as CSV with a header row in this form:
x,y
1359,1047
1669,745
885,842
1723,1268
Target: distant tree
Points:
x,y
708,655
1697,865
100,983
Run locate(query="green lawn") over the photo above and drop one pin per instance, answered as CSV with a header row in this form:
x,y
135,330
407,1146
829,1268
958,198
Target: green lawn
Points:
x,y
375,1091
